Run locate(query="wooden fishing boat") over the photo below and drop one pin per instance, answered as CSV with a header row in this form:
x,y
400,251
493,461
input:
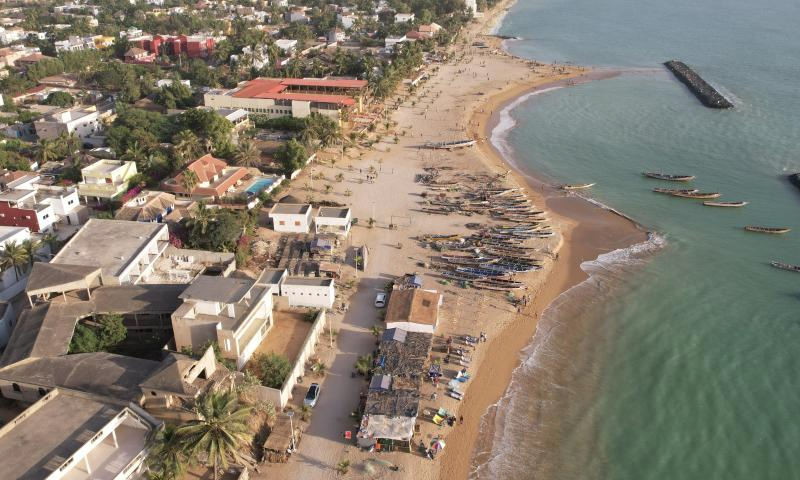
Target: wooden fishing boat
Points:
x,y
785,266
725,204
675,190
479,284
773,230
669,178
576,186
698,195
450,145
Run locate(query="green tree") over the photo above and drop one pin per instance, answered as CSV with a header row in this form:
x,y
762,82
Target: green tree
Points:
x,y
167,457
247,155
206,124
220,432
14,256
46,151
186,145
60,99
291,155
271,368
31,247
189,181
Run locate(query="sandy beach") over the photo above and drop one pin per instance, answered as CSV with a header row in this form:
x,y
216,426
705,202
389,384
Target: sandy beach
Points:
x,y
462,98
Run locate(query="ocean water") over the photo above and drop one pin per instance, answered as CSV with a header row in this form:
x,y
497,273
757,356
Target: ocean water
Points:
x,y
679,358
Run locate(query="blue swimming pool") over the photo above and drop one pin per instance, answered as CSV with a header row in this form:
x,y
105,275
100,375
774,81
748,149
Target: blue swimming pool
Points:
x,y
259,185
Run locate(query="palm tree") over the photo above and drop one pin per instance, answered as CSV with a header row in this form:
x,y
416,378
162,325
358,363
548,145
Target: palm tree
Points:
x,y
167,458
186,145
220,431
13,256
52,241
135,153
247,155
189,181
31,246
202,217
46,150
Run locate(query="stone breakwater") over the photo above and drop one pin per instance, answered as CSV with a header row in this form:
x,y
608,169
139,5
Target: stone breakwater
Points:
x,y
794,179
707,94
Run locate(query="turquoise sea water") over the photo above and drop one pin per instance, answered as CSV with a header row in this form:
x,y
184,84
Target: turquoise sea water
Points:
x,y
678,360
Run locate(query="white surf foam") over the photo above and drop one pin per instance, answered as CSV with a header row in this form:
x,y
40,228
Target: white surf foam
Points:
x,y
503,455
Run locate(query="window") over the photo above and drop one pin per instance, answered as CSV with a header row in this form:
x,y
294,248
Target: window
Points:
x,y
15,387
281,222
42,392
227,344
153,393
296,223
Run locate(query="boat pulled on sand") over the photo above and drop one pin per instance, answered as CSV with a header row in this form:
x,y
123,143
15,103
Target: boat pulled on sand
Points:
x,y
772,230
669,178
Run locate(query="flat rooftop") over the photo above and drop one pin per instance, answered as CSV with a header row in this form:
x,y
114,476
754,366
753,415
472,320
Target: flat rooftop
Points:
x,y
271,276
290,209
6,232
104,166
309,281
42,439
333,212
15,195
218,289
108,244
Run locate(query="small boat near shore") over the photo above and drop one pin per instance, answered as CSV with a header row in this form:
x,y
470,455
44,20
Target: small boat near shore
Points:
x,y
670,191
698,195
576,186
785,266
772,230
450,145
669,178
725,204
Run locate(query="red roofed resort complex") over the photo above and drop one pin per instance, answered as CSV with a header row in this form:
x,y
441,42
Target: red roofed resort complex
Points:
x,y
296,97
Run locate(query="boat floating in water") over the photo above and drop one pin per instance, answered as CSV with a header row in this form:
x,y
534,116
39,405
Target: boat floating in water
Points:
x,y
785,266
773,230
576,186
675,190
725,204
697,194
669,178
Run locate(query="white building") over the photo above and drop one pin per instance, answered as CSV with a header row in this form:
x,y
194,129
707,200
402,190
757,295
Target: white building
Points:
x,y
21,208
286,45
391,41
84,122
234,312
313,292
333,220
347,21
64,200
75,44
291,217
124,251
403,17
472,6
414,310
166,82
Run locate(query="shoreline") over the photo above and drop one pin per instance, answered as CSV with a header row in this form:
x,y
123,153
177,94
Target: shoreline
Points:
x,y
580,227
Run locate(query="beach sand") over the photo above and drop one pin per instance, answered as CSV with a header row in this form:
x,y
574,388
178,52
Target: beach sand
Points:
x,y
462,98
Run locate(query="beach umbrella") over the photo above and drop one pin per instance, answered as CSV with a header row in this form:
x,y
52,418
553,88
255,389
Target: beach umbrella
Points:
x,y
437,444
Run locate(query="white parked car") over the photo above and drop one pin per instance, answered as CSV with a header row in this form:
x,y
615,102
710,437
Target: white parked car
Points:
x,y
380,300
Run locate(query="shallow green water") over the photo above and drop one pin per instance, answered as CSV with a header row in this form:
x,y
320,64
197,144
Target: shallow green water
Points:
x,y
685,363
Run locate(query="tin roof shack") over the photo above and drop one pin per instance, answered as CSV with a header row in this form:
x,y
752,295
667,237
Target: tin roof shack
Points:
x,y
389,419
333,220
414,309
313,292
291,217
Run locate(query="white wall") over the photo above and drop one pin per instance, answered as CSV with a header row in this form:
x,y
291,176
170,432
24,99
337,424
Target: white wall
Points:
x,y
309,295
292,223
411,327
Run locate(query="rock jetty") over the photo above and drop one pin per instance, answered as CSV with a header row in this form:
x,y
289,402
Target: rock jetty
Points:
x,y
707,94
794,179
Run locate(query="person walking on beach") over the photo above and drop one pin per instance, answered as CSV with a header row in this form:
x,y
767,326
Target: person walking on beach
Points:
x,y
461,419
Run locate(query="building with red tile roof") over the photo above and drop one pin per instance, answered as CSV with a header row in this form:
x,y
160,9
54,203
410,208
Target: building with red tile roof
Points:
x,y
215,178
296,97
